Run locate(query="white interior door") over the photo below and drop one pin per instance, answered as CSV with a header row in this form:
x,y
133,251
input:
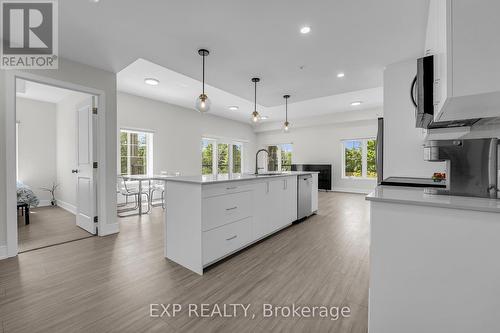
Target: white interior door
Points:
x,y
85,188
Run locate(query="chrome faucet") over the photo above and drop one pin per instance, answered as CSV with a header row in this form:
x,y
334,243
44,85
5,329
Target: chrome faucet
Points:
x,y
257,159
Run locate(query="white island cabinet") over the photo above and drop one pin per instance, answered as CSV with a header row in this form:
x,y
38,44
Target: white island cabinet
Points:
x,y
207,219
434,262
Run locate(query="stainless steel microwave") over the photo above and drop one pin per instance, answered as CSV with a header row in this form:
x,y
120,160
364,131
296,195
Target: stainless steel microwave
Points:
x,y
422,97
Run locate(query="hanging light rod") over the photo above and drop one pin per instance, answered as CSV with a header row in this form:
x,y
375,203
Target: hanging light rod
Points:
x,y
286,125
255,114
202,101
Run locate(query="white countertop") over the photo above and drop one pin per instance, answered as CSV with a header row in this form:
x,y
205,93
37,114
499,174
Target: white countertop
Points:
x,y
419,197
210,179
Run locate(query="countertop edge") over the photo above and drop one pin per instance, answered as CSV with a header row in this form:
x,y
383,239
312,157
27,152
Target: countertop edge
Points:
x,y
373,198
211,182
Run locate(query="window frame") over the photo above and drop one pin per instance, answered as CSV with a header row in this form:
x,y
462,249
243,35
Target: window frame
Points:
x,y
215,155
364,158
149,149
279,154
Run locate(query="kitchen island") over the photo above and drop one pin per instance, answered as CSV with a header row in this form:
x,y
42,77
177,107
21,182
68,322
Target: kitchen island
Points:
x,y
434,262
209,218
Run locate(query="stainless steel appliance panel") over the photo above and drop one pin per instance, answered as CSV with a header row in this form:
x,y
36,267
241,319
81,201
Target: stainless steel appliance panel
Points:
x,y
304,192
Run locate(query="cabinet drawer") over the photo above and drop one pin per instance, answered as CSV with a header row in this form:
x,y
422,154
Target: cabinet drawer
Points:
x,y
225,188
221,241
224,209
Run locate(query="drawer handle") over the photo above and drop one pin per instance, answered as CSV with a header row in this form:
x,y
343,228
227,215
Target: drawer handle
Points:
x,y
232,208
228,239
232,188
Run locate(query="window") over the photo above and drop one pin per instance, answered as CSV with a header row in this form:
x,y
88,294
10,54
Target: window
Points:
x,y
226,159
207,157
136,152
280,157
222,158
359,158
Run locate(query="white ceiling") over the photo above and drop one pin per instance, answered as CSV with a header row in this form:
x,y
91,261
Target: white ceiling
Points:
x,y
178,89
250,38
40,92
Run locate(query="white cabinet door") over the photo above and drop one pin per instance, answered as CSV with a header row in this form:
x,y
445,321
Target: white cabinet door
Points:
x,y
290,200
275,205
463,37
276,201
262,211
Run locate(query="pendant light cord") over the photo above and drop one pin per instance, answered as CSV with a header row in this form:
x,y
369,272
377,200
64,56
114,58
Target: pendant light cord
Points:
x,y
203,82
286,109
255,97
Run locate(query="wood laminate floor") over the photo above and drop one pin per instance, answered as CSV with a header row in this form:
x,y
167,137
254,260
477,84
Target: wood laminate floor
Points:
x,y
48,226
106,284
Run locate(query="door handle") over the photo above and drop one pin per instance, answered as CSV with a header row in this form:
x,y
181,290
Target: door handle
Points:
x,y
228,239
232,208
74,171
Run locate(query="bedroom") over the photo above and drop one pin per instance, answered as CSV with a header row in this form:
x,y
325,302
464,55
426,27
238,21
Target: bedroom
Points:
x,y
46,153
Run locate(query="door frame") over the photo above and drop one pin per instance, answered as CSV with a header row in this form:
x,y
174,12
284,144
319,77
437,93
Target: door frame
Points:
x,y
10,134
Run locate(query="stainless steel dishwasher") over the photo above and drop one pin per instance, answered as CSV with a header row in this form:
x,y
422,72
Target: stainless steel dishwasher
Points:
x,y
304,192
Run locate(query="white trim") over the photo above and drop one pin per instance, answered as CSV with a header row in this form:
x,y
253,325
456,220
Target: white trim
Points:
x,y
10,121
109,229
67,206
223,139
3,252
44,203
353,190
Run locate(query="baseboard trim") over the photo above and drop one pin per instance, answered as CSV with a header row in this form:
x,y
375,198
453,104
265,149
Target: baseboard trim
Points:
x,y
44,203
3,252
109,229
67,206
352,190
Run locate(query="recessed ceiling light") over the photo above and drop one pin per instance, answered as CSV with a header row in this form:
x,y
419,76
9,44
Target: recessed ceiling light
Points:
x,y
356,103
151,81
233,108
305,30
264,117
340,75
94,1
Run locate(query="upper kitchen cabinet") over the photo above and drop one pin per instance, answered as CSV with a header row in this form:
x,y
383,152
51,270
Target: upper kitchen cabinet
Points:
x,y
464,37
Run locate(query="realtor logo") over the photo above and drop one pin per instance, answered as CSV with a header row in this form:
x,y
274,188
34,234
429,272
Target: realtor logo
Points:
x,y
29,33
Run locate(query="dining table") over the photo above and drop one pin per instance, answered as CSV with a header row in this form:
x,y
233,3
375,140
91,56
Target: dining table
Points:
x,y
142,178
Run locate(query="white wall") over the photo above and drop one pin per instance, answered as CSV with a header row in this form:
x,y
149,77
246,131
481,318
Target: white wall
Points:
x,y
178,132
80,76
403,152
37,146
322,144
66,149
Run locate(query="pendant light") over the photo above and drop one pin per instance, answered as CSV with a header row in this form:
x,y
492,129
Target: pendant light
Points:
x,y
255,114
202,101
286,124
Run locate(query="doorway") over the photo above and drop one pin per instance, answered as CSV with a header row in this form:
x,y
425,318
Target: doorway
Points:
x,y
56,142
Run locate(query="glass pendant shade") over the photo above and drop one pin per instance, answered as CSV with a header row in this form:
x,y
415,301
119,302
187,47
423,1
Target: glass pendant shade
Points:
x,y
203,103
286,127
255,116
